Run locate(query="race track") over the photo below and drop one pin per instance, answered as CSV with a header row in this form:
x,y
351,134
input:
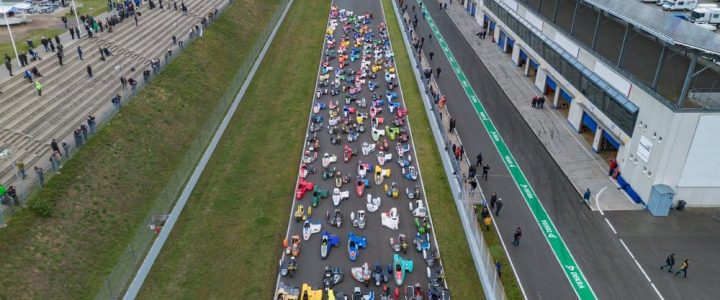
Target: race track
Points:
x,y
310,264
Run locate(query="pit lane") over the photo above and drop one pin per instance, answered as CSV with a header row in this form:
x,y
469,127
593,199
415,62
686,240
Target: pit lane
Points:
x,y
310,265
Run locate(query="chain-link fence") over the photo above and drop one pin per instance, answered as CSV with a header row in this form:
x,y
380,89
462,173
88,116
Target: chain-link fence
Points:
x,y
116,283
470,195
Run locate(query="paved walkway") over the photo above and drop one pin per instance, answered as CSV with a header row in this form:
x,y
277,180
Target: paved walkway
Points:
x,y
584,167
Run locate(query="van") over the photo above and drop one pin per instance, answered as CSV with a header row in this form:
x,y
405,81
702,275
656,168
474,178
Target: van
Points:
x,y
705,16
679,4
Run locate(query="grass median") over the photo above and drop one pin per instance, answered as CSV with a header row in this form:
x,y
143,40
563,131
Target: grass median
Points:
x,y
105,191
459,266
226,244
497,251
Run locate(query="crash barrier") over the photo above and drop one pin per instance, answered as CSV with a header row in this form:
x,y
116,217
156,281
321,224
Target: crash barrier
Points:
x,y
115,284
465,198
102,118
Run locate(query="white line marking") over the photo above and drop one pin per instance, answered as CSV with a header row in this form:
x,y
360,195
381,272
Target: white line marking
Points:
x,y
635,260
611,227
597,201
656,291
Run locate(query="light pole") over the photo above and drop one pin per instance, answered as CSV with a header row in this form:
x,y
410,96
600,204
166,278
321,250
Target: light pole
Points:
x,y
76,16
12,40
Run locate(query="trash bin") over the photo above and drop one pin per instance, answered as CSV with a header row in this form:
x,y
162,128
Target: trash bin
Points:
x,y
680,205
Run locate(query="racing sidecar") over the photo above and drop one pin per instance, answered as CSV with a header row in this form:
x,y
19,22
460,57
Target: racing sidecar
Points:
x,y
410,173
310,228
390,219
400,266
288,267
355,243
360,186
404,161
305,170
381,173
336,219
307,293
358,295
419,209
358,220
340,179
373,204
421,242
332,277
377,133
348,153
338,196
328,159
368,148
383,157
303,187
392,132
293,246
328,241
413,193
363,168
300,213
402,148
379,276
361,273
392,190
328,173
318,194
422,224
399,244
285,292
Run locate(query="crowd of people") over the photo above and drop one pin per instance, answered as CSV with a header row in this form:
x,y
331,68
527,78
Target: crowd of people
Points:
x,y
92,25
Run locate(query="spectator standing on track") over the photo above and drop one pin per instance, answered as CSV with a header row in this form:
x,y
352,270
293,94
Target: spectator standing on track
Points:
x,y
473,186
487,221
27,75
486,169
669,262
586,196
493,200
72,33
64,20
77,32
498,207
683,268
123,82
89,71
84,131
54,162
20,165
498,265
431,55
79,52
437,71
452,125
478,160
516,237
472,171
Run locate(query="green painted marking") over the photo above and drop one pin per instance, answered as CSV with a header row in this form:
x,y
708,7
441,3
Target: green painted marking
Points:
x,y
562,253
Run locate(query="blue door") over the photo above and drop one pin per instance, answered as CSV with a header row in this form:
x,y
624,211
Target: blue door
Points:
x,y
523,56
549,82
566,96
611,140
492,25
510,42
501,40
589,122
533,64
474,9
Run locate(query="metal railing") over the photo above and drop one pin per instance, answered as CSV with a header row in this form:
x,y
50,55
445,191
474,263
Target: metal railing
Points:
x,y
466,197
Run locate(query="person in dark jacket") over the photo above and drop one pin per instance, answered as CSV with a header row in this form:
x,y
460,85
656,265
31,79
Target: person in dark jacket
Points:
x,y
669,262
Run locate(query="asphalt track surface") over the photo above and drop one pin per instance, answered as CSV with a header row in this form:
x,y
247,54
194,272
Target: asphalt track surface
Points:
x,y
310,265
610,271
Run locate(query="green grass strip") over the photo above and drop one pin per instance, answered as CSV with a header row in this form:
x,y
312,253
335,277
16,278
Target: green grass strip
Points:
x,y
104,192
459,266
226,244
